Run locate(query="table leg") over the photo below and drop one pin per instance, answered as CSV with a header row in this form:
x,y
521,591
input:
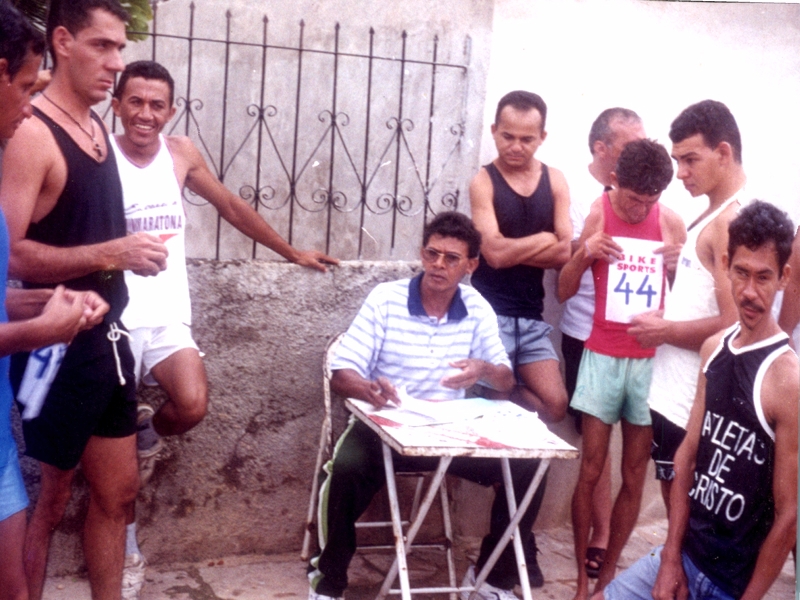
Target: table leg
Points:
x,y
433,488
513,526
394,506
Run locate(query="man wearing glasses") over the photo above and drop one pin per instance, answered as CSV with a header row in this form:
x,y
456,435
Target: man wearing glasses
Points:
x,y
435,338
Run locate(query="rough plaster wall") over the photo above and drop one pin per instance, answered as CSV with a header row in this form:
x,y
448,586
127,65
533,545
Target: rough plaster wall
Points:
x,y
239,482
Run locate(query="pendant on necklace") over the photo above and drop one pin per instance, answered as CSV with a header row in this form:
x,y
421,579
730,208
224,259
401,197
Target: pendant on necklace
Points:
x,y
98,150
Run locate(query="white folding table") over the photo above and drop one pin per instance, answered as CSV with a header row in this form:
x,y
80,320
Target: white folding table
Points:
x,y
503,434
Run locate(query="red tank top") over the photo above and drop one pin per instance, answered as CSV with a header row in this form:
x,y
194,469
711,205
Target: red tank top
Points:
x,y
610,337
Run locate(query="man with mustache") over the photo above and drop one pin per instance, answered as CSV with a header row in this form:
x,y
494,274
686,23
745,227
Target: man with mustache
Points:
x,y
733,506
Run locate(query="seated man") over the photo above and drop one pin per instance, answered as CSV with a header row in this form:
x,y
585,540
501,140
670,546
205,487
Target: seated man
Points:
x,y
626,229
733,506
436,338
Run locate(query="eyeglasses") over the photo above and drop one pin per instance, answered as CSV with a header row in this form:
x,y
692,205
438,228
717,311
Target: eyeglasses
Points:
x,y
431,255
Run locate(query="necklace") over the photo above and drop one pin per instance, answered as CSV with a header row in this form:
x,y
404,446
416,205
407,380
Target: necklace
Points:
x,y
97,149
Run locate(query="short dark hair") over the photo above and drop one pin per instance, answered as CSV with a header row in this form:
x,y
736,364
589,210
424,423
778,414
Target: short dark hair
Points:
x,y
147,69
644,166
601,128
76,15
17,38
521,100
455,225
714,121
760,223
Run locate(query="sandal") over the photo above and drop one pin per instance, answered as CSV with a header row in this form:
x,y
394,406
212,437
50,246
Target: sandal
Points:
x,y
595,557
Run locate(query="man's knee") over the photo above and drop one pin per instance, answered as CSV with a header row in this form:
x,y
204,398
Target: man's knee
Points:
x,y
193,407
115,495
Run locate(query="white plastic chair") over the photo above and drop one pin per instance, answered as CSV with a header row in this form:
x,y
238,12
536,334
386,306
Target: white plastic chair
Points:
x,y
326,450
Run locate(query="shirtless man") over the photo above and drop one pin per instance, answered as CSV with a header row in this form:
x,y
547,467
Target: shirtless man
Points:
x,y
707,148
733,510
158,315
62,199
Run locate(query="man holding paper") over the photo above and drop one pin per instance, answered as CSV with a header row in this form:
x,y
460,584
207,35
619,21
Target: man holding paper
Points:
x,y
628,241
432,338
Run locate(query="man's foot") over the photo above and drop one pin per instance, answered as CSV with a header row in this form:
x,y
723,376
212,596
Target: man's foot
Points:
x,y
132,576
312,595
148,442
486,591
595,557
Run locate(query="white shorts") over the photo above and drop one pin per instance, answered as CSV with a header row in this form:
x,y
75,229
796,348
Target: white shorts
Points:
x,y
151,345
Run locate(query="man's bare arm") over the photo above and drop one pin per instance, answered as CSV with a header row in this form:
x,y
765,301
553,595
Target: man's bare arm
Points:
x,y
569,279
779,399
652,330
236,211
671,579
790,309
51,316
543,250
33,177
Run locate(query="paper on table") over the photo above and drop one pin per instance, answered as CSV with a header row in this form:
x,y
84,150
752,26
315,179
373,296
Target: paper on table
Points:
x,y
416,412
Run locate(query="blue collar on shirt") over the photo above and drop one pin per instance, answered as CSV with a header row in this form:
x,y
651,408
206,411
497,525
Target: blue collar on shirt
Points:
x,y
456,312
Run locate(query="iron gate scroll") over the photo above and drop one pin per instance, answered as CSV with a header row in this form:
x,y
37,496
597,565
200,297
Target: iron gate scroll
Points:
x,y
349,152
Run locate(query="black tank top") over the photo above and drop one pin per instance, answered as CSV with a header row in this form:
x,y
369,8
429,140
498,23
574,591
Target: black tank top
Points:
x,y
516,291
732,506
90,210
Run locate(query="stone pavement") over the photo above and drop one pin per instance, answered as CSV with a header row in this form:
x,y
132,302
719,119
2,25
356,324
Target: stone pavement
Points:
x,y
282,576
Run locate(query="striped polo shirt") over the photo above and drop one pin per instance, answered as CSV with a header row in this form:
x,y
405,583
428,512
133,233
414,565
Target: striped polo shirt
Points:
x,y
393,336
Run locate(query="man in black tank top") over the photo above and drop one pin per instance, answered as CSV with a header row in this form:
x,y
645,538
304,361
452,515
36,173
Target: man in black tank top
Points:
x,y
521,208
733,506
62,198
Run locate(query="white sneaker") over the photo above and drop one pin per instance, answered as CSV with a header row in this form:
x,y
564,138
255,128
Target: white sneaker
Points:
x,y
486,591
132,576
312,595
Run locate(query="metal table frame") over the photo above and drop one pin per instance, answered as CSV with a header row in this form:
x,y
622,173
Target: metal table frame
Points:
x,y
446,455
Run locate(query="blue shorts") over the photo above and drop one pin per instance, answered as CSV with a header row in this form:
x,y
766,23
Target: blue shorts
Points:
x,y
526,340
636,583
612,388
13,497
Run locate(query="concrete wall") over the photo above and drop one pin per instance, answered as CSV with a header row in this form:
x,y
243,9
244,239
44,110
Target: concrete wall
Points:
x,y
239,482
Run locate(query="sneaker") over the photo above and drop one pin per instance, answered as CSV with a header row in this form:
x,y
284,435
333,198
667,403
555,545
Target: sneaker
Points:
x,y
132,576
312,595
148,442
486,591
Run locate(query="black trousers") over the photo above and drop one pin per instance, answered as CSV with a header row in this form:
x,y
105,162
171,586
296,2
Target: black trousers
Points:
x,y
356,474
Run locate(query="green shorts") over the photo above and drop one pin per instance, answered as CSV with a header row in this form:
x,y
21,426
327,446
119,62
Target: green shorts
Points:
x,y
612,388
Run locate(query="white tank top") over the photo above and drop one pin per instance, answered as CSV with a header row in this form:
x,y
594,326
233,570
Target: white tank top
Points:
x,y
153,204
675,370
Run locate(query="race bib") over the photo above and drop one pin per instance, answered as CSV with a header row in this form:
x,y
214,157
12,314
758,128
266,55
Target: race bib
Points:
x,y
636,282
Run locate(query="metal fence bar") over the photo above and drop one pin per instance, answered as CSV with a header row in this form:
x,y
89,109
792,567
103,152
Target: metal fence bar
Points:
x,y
343,165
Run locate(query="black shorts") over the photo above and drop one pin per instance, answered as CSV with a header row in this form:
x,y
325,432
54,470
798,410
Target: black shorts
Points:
x,y
666,438
85,399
